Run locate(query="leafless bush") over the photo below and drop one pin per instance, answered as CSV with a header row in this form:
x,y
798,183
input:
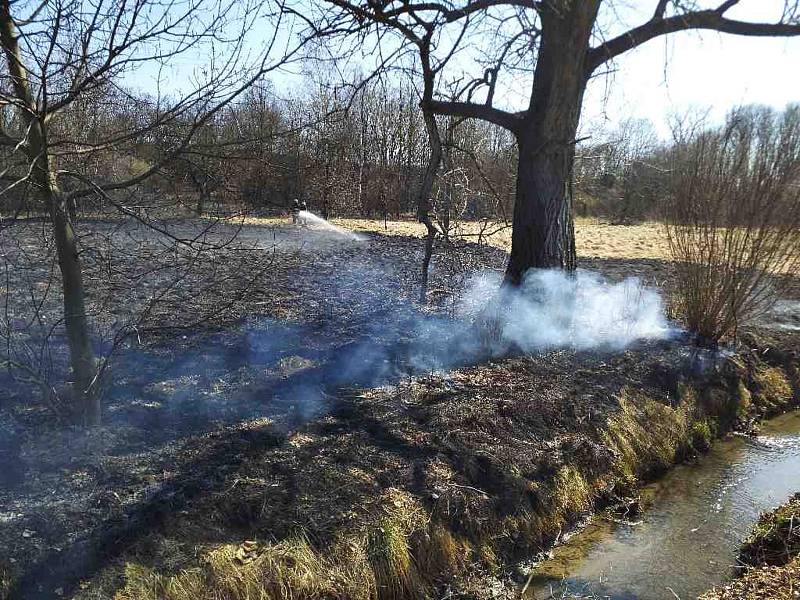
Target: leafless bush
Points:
x,y
733,219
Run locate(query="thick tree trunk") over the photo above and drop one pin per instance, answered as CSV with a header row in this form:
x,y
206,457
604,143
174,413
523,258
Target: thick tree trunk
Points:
x,y
543,234
543,230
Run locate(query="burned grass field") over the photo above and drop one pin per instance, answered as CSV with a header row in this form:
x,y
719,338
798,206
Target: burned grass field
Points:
x,y
301,428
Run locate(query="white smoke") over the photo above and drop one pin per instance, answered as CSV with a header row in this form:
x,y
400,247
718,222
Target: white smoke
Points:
x,y
552,309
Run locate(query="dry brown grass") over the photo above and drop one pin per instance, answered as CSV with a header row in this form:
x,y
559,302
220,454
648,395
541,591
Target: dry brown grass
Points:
x,y
489,491
772,386
493,460
646,435
767,583
455,486
594,238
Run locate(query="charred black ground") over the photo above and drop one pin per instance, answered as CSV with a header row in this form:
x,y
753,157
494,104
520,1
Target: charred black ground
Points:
x,y
261,428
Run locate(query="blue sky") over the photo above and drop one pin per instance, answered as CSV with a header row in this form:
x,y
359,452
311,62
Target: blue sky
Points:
x,y
705,70
699,69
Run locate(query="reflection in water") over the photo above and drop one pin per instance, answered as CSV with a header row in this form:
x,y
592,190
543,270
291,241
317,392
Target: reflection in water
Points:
x,y
688,538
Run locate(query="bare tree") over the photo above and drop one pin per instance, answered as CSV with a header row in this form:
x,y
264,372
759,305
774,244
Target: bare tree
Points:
x,y
561,43
424,207
59,54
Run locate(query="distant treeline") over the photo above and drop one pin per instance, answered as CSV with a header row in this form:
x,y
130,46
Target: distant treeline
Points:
x,y
348,152
358,153
632,175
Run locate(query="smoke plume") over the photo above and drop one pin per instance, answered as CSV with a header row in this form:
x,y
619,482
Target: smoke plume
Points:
x,y
554,309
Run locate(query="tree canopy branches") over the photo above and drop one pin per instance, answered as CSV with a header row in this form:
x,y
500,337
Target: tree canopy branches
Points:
x,y
712,19
504,36
554,45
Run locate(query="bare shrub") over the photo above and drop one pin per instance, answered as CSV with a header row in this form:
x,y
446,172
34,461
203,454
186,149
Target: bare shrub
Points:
x,y
733,219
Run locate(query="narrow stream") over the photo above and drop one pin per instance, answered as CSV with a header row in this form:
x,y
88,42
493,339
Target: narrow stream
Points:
x,y
687,538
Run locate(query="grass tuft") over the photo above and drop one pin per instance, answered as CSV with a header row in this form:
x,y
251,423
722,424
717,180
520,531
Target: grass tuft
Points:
x,y
288,569
744,401
773,386
390,557
571,493
701,435
441,551
6,581
647,436
776,537
144,583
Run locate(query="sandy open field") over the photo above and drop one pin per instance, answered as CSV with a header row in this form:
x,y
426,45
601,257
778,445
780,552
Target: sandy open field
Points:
x,y
595,239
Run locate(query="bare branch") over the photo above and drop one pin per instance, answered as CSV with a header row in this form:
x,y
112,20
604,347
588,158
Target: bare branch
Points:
x,y
713,20
507,120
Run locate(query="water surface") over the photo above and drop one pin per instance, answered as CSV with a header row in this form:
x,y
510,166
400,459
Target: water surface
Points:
x,y
687,539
